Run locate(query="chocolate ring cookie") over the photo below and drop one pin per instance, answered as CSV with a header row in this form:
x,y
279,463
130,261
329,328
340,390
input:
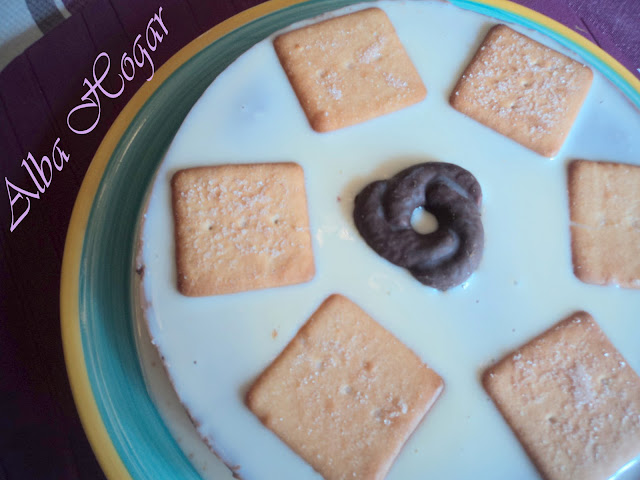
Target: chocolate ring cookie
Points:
x,y
441,259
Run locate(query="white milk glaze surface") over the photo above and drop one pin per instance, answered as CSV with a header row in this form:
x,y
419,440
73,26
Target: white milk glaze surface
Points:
x,y
215,347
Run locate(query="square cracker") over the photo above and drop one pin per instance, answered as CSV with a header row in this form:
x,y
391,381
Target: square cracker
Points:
x,y
345,394
523,90
349,69
241,227
604,204
572,401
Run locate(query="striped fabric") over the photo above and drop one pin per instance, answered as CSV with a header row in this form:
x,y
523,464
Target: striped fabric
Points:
x,y
22,22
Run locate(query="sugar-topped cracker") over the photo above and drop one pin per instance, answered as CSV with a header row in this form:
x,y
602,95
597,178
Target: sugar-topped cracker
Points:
x,y
349,69
571,399
604,204
241,227
345,394
523,90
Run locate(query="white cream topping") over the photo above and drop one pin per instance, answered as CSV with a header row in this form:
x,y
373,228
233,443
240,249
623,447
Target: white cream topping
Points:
x,y
215,347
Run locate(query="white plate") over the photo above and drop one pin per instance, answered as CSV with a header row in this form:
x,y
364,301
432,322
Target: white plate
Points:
x,y
215,347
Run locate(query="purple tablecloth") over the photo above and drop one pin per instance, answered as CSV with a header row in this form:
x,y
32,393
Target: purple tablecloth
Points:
x,y
40,433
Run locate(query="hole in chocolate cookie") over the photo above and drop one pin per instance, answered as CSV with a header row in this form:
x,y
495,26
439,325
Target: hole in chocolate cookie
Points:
x,y
392,216
423,222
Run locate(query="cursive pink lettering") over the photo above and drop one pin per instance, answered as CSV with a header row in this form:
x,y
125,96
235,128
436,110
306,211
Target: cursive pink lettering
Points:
x,y
59,154
44,172
14,199
157,37
78,123
144,54
126,60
